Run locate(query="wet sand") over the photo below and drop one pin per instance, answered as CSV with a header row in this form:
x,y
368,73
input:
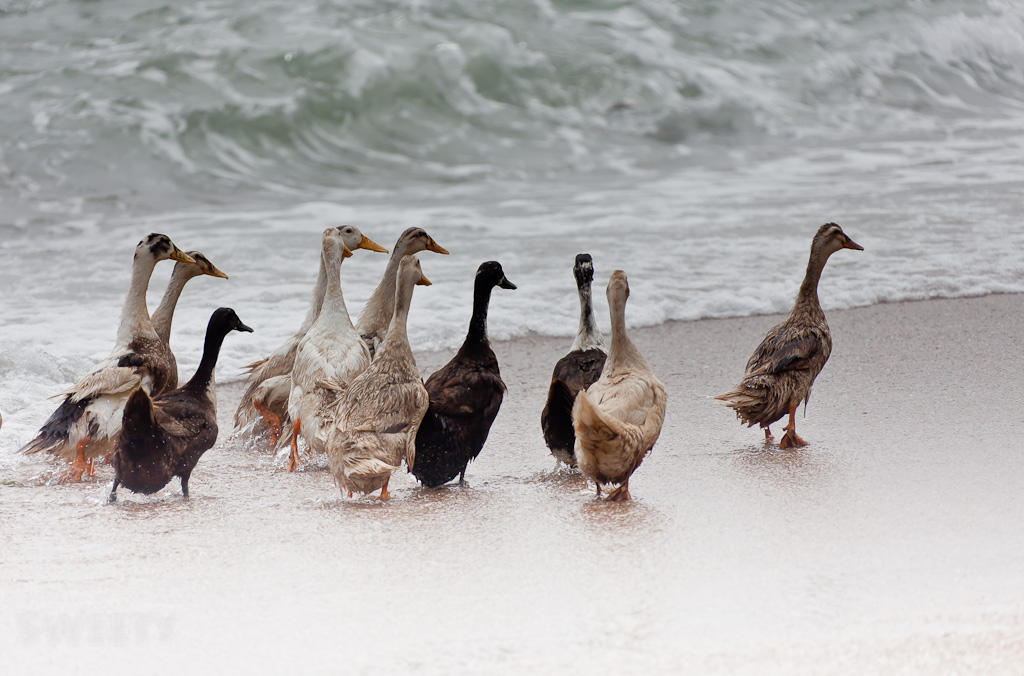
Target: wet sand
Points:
x,y
892,544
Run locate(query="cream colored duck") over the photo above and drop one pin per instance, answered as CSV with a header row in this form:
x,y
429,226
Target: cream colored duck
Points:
x,y
268,385
164,314
780,373
383,407
329,356
618,419
87,422
375,317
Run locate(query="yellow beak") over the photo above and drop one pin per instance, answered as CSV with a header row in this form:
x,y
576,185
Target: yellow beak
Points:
x,y
214,272
345,252
423,279
367,243
435,247
181,256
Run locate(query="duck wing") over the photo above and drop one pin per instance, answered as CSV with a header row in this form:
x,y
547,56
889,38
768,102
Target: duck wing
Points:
x,y
788,348
461,392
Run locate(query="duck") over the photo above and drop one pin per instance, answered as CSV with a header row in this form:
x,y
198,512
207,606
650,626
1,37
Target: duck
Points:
x,y
268,384
164,436
382,408
618,419
164,314
781,372
576,371
372,322
465,395
329,356
87,422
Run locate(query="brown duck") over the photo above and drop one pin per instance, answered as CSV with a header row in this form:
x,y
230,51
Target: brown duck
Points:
x,y
782,369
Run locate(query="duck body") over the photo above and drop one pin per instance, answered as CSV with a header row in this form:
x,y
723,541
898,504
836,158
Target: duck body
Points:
x,y
619,418
575,372
87,422
164,436
329,356
465,395
382,408
781,372
372,323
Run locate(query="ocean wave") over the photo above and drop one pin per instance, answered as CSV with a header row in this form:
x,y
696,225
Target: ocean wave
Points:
x,y
274,96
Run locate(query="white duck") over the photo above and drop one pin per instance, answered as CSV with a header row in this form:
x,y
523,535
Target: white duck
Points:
x,y
329,356
164,314
375,317
268,385
618,419
87,422
382,409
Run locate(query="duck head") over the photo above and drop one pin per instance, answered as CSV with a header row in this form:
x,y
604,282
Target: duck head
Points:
x,y
583,270
354,239
160,248
415,240
490,274
829,239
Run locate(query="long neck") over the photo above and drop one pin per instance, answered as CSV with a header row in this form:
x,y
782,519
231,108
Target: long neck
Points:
x,y
135,314
381,305
334,300
588,336
397,339
164,314
622,353
807,297
316,302
203,378
477,333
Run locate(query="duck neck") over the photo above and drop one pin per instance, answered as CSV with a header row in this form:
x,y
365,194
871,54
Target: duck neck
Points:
x,y
333,299
135,313
807,297
588,336
203,380
380,307
397,338
477,334
622,353
316,302
164,314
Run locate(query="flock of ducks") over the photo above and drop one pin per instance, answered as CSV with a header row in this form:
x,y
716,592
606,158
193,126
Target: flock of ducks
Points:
x,y
352,391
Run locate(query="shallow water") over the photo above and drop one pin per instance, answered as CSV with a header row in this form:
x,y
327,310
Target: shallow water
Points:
x,y
896,522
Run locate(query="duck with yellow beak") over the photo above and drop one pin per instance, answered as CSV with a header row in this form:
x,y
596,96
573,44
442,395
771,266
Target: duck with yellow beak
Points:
x,y
87,422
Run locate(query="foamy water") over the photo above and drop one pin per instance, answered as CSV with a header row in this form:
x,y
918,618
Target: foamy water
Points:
x,y
696,148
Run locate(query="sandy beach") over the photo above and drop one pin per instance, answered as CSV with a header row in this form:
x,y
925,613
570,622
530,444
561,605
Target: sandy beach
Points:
x,y
891,544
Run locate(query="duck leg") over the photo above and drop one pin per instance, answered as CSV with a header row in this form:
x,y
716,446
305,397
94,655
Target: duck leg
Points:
x,y
184,484
272,420
74,472
620,494
790,438
768,438
384,496
293,458
113,492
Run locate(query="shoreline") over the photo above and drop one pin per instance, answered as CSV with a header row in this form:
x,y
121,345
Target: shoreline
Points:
x,y
892,539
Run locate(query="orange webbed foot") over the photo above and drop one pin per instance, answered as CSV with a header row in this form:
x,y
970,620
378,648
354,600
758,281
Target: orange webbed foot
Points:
x,y
271,419
73,474
791,440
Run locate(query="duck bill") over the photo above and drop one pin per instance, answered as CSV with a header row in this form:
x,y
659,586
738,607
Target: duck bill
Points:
x,y
214,272
850,244
367,243
505,284
435,247
181,256
243,327
423,281
345,252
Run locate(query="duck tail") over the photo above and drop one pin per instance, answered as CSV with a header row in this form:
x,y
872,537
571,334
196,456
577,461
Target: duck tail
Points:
x,y
54,436
748,403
